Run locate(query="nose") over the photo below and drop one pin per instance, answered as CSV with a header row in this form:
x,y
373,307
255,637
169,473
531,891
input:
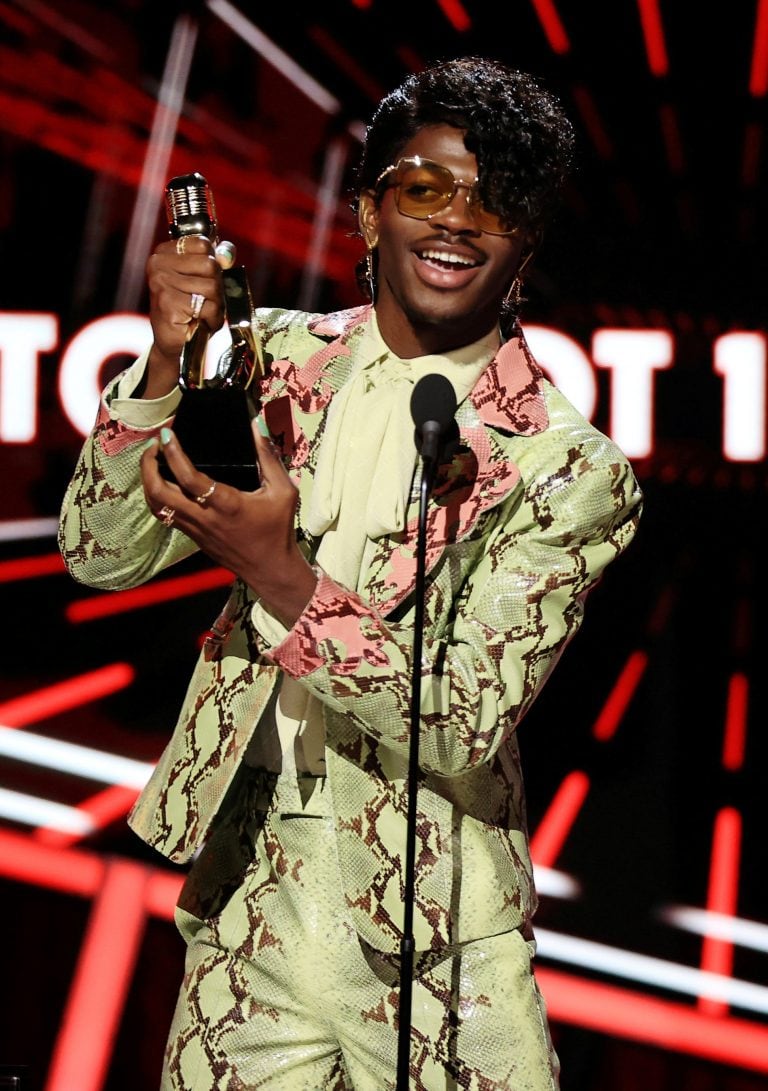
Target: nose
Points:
x,y
457,215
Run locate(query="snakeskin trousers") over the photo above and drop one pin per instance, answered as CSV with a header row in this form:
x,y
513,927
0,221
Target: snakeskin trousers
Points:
x,y
280,992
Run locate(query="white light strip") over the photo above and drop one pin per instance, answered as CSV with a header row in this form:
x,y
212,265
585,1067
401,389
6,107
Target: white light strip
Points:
x,y
703,922
67,757
651,971
555,884
284,64
328,197
149,195
14,530
42,812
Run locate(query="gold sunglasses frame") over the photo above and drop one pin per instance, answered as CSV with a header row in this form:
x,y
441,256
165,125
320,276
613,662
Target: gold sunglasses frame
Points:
x,y
473,198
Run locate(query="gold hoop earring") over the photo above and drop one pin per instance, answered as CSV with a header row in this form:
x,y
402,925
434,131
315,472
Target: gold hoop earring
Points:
x,y
370,278
514,298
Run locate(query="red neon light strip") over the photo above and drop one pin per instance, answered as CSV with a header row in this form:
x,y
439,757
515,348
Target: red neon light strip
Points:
x,y
735,739
553,28
102,148
455,13
758,75
121,602
618,699
653,35
162,893
627,1014
100,985
18,21
410,58
552,831
24,859
592,121
68,871
25,568
662,611
62,696
670,131
103,808
347,63
722,897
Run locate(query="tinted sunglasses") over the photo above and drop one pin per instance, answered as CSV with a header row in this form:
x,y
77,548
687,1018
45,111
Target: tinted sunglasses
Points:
x,y
424,188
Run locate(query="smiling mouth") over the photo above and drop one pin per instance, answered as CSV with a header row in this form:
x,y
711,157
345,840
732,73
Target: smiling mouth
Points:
x,y
446,259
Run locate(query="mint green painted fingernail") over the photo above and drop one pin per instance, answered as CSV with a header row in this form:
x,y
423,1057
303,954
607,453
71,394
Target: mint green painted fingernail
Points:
x,y
165,436
261,424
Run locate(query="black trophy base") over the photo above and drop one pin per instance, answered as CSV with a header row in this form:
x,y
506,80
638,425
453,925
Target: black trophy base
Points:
x,y
213,427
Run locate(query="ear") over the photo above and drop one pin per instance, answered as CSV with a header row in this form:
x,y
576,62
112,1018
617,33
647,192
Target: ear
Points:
x,y
368,218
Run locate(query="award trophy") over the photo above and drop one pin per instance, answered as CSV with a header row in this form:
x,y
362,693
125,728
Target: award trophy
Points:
x,y
213,420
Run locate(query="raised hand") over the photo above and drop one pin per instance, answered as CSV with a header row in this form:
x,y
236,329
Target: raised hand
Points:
x,y
185,288
250,533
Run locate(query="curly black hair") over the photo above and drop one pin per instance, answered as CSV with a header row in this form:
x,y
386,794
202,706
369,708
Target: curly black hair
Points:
x,y
517,129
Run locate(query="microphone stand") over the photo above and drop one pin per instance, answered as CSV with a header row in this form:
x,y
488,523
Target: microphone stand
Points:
x,y
431,438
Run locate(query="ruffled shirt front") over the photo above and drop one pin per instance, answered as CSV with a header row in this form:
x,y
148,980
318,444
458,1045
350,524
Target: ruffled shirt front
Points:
x,y
367,458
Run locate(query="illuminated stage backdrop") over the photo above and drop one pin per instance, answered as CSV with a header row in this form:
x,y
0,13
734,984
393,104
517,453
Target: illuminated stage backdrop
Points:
x,y
644,754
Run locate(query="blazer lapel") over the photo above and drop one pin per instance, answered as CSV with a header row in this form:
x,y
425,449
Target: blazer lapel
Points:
x,y
508,400
297,394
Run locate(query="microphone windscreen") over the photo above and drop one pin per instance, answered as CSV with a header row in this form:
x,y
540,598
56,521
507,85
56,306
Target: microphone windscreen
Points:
x,y
433,399
189,207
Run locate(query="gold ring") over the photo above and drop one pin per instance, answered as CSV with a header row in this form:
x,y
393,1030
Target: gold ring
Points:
x,y
201,499
180,244
166,515
196,303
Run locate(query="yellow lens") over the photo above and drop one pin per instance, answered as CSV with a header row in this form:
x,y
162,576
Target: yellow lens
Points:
x,y
423,189
491,222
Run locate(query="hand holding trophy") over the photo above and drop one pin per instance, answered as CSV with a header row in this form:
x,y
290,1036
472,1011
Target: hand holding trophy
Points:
x,y
213,421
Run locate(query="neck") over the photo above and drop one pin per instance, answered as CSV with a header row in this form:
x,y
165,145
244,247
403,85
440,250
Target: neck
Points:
x,y
409,338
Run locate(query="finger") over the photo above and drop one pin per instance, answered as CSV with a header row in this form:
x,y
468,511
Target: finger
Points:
x,y
148,460
196,245
271,468
192,485
157,491
188,478
167,260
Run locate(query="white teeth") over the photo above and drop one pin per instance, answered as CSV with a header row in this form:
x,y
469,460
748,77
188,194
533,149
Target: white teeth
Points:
x,y
449,256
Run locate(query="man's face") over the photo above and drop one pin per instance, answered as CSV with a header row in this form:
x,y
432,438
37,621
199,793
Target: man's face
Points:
x,y
440,281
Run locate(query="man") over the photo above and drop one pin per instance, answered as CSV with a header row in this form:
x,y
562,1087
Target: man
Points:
x,y
286,773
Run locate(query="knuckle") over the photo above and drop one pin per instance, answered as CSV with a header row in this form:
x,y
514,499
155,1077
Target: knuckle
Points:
x,y
152,493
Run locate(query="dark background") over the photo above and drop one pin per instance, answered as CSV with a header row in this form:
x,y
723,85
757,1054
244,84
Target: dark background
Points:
x,y
663,226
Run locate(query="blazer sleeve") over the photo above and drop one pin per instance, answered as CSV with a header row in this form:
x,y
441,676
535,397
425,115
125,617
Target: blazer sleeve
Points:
x,y
108,537
513,617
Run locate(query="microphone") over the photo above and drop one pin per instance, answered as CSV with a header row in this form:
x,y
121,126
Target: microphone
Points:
x,y
189,207
433,407
190,210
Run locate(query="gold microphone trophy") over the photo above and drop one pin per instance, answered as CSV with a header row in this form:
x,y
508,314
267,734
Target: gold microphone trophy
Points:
x,y
213,421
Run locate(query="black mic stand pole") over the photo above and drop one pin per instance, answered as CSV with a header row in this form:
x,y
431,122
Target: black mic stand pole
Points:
x,y
429,466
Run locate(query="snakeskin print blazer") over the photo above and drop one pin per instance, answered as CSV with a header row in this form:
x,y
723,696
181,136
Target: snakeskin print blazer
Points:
x,y
533,506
